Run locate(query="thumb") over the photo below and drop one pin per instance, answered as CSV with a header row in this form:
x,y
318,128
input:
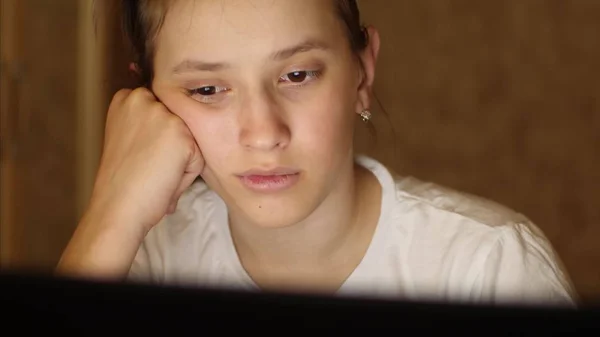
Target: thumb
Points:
x,y
192,171
186,182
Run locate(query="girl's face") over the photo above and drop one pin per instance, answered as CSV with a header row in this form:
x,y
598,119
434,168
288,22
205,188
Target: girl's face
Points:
x,y
263,85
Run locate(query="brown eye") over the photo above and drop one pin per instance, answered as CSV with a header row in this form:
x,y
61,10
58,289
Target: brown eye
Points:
x,y
207,91
300,78
208,94
297,76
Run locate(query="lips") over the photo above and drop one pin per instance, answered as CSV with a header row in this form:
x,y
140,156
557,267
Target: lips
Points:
x,y
264,180
272,180
280,171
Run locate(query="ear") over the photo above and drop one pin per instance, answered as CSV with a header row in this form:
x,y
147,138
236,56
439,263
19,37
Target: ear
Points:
x,y
368,59
135,68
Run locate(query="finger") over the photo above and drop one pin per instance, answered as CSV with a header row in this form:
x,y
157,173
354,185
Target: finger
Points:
x,y
172,207
118,99
196,163
121,95
193,170
186,182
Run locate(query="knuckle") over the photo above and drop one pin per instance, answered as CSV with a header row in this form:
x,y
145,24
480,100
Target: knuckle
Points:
x,y
174,123
157,111
140,96
142,91
121,94
119,97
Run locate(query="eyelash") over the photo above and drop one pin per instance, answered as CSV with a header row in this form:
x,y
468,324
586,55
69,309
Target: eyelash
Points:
x,y
313,74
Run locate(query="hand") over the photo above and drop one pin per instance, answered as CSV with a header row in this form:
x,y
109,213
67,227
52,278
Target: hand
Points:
x,y
150,157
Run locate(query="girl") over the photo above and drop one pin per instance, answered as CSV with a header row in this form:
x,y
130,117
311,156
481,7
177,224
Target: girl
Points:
x,y
259,98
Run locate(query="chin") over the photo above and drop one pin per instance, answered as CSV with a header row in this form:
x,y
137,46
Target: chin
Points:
x,y
278,214
272,209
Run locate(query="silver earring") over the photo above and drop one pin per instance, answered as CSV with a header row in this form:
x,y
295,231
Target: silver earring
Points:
x,y
365,115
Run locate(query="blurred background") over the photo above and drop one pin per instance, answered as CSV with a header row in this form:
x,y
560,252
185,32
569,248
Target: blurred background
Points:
x,y
496,98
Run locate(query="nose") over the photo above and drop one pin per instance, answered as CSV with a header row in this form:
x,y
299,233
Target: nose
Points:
x,y
263,126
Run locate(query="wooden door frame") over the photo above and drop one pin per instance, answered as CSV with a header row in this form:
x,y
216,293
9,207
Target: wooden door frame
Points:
x,y
91,107
91,99
8,57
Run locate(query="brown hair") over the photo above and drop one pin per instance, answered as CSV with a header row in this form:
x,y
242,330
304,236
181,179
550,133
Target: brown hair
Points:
x,y
142,19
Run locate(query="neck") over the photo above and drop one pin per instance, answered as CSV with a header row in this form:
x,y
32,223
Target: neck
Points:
x,y
334,237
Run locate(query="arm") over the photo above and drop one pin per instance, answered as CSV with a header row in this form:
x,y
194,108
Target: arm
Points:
x,y
103,246
150,157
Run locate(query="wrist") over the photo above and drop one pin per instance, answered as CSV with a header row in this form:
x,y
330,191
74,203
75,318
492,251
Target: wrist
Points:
x,y
104,244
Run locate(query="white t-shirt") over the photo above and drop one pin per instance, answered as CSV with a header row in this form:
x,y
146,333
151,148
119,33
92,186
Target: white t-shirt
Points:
x,y
431,244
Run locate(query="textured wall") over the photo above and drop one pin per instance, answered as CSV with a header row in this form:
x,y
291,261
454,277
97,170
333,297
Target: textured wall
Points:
x,y
500,99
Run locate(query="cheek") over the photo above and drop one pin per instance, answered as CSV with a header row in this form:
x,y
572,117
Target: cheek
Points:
x,y
326,123
213,132
214,136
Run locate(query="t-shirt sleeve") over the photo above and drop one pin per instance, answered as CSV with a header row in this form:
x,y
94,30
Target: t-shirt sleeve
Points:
x,y
523,268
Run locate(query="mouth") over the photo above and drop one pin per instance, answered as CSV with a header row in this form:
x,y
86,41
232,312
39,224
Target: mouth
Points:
x,y
274,180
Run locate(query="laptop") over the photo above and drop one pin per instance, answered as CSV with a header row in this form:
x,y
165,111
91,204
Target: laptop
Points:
x,y
34,304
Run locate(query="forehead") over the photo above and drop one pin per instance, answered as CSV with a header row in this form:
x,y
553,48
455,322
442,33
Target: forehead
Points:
x,y
223,30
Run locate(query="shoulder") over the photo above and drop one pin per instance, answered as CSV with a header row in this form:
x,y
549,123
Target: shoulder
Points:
x,y
435,203
443,200
495,253
468,246
433,224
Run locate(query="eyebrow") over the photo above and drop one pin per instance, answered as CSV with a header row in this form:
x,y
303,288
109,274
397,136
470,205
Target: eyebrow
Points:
x,y
198,65
303,47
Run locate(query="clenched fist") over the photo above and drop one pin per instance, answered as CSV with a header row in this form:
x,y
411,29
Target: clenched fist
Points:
x,y
149,158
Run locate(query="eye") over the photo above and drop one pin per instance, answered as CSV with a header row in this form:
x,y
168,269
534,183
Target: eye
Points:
x,y
207,91
297,76
300,76
207,94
